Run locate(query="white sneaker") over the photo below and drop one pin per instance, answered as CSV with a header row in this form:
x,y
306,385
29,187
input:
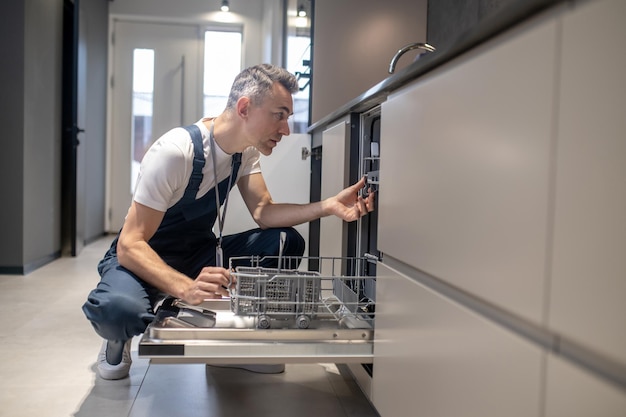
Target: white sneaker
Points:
x,y
259,369
119,371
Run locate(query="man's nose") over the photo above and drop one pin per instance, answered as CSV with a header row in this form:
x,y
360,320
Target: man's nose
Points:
x,y
284,128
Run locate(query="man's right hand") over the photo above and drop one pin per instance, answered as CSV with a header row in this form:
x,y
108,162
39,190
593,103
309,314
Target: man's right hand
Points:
x,y
211,282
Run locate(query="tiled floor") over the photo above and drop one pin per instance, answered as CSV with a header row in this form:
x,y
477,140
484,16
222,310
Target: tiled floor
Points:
x,y
48,349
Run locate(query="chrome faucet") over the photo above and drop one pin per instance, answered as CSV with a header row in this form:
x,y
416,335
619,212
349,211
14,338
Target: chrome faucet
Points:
x,y
418,45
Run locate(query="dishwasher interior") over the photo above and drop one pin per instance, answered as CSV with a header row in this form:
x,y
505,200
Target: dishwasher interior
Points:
x,y
367,227
365,246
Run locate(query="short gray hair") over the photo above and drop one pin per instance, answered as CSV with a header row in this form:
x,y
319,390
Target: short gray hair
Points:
x,y
256,83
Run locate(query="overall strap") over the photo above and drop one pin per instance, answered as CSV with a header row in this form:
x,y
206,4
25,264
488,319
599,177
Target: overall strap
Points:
x,y
235,164
198,163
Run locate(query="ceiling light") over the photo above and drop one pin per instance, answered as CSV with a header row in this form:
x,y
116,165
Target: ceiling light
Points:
x,y
225,6
301,11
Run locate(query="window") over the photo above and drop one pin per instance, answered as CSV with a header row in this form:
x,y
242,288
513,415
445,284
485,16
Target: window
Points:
x,y
142,108
222,63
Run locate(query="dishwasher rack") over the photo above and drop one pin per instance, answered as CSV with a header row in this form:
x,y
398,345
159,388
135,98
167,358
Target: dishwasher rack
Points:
x,y
287,297
309,310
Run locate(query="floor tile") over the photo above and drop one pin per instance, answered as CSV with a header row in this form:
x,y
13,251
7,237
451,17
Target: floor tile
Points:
x,y
302,390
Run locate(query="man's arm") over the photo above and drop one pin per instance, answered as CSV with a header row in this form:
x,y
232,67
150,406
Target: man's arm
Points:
x,y
136,255
347,204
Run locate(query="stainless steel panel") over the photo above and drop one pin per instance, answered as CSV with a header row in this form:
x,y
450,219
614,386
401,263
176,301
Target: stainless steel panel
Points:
x,y
236,340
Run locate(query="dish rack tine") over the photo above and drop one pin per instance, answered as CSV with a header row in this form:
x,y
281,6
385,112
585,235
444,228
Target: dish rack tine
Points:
x,y
283,237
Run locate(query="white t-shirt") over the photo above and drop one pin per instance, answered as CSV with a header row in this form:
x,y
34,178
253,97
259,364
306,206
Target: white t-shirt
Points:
x,y
166,168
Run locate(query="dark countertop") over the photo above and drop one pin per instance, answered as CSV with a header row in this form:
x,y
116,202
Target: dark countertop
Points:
x,y
506,18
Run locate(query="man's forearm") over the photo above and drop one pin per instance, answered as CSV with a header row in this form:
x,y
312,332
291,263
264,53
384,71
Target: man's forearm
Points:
x,y
144,262
286,215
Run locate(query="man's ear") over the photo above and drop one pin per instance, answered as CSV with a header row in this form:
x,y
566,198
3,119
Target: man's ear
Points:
x,y
243,107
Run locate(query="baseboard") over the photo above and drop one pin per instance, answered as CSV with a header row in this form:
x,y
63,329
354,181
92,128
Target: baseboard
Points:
x,y
29,267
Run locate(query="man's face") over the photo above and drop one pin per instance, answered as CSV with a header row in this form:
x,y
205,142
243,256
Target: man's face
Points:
x,y
268,121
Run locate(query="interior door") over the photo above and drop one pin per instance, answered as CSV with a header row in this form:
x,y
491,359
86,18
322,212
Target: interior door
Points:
x,y
175,99
73,117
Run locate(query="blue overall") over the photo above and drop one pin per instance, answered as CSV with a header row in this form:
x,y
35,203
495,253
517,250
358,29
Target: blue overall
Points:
x,y
121,306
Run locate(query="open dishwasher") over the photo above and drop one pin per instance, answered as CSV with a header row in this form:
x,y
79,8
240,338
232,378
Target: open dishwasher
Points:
x,y
294,313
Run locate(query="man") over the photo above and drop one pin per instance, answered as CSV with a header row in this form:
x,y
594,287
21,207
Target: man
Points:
x,y
167,245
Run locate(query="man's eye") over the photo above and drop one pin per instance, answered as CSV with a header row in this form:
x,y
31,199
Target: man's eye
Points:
x,y
279,116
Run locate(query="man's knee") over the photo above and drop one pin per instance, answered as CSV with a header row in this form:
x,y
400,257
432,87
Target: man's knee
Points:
x,y
117,315
264,243
294,242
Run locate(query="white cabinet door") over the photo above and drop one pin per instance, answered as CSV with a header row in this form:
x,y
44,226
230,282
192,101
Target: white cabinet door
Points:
x,y
288,179
588,288
335,143
433,357
465,171
571,392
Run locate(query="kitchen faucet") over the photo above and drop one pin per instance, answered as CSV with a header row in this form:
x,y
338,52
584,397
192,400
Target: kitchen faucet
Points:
x,y
417,45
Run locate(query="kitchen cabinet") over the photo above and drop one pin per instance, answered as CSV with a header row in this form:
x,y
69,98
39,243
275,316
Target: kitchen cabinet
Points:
x,y
502,187
587,284
572,392
465,170
434,357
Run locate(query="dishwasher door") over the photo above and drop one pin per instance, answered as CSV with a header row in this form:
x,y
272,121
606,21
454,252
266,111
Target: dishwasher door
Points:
x,y
273,316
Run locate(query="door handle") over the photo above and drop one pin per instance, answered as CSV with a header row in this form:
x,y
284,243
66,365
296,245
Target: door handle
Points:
x,y
76,131
315,153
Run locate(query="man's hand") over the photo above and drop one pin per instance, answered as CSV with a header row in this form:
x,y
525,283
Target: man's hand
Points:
x,y
211,282
349,205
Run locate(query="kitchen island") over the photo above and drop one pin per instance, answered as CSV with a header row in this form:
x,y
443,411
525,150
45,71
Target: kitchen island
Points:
x,y
501,218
